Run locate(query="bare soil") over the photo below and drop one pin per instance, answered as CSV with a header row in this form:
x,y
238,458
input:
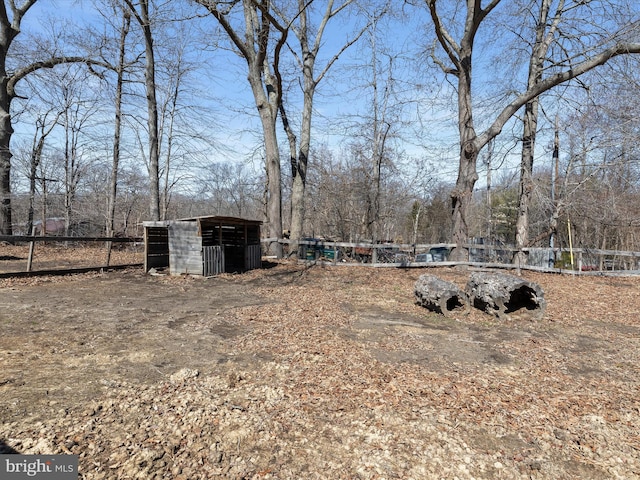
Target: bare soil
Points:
x,y
294,372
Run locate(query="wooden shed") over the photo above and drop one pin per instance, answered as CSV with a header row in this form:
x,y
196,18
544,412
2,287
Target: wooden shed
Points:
x,y
203,245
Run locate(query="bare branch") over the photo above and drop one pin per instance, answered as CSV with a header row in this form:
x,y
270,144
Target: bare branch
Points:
x,y
221,17
50,63
553,81
447,42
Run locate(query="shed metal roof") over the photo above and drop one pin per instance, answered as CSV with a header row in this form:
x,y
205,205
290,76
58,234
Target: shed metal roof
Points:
x,y
204,219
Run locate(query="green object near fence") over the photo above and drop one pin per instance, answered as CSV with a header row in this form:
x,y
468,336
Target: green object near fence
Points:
x,y
564,261
314,252
328,253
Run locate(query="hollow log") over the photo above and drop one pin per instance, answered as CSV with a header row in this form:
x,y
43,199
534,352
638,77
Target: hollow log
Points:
x,y
505,295
440,296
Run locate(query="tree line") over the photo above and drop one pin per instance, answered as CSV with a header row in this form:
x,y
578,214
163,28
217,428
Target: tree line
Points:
x,y
123,113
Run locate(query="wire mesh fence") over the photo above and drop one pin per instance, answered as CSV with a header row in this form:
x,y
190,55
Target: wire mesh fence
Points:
x,y
579,260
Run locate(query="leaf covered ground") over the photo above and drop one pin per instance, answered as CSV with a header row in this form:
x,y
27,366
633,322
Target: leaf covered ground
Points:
x,y
318,372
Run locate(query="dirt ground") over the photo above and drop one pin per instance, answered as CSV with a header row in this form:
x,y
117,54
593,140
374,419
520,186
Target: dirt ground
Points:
x,y
297,372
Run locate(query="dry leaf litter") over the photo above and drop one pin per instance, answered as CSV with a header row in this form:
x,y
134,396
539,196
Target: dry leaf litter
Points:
x,y
351,380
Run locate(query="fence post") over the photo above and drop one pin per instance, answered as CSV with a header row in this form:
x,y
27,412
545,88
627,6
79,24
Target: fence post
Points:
x,y
32,246
109,246
579,260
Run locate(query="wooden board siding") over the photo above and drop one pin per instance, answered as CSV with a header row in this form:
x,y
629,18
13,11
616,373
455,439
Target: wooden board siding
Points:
x,y
210,236
254,257
213,259
156,248
185,248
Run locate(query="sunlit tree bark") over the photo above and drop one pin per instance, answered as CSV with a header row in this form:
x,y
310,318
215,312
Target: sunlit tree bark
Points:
x,y
141,13
458,62
252,41
310,40
117,128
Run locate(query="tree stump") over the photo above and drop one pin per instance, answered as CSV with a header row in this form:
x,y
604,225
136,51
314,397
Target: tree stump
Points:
x,y
440,296
502,295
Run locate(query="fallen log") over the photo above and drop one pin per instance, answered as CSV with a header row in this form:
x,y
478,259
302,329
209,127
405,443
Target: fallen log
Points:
x,y
505,295
440,296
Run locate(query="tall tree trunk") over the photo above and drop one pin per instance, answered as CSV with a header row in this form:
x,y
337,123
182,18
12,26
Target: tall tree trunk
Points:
x,y
461,197
525,186
152,121
373,197
117,131
9,29
70,169
172,113
6,130
299,165
299,171
166,188
381,128
462,194
273,191
310,39
544,35
381,131
143,19
36,156
266,87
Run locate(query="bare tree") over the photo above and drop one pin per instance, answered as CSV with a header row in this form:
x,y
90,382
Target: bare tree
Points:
x,y
77,112
141,13
375,124
184,128
545,32
44,127
11,17
342,196
169,111
558,33
117,127
251,39
381,127
62,103
310,40
230,188
600,181
458,62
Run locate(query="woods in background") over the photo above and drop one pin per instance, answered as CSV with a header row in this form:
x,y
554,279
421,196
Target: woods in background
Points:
x,y
421,123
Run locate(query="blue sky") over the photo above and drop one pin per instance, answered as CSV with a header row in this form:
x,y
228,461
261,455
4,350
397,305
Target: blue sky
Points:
x,y
431,129
333,100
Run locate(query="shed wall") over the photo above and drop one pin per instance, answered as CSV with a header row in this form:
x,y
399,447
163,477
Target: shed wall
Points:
x,y
185,249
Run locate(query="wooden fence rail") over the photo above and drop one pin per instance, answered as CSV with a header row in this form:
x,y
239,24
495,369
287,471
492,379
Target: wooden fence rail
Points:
x,y
33,239
51,239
